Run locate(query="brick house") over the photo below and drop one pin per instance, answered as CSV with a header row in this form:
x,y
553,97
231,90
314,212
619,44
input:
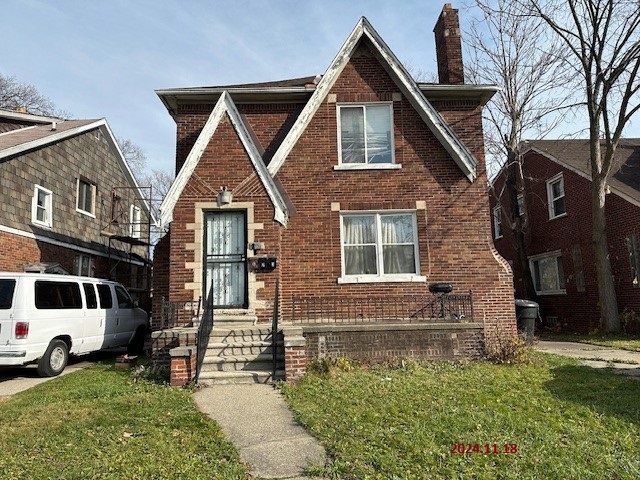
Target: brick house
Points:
x,y
69,203
558,243
345,195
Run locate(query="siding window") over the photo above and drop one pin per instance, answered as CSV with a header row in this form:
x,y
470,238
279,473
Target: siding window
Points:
x,y
42,207
365,134
555,197
578,269
497,222
86,197
84,265
379,247
134,221
548,273
633,245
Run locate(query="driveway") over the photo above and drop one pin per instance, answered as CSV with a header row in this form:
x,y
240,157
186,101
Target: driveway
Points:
x,y
17,379
620,361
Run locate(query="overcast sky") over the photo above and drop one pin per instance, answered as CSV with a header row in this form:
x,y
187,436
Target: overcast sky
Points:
x,y
103,58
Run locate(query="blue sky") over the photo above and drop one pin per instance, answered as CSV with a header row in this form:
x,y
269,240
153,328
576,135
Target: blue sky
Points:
x,y
106,58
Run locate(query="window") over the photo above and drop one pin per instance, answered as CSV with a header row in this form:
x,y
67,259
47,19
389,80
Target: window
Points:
x,y
57,295
379,245
124,300
86,197
633,245
134,221
365,134
84,265
548,273
497,222
104,294
90,295
42,206
555,197
578,269
520,202
6,293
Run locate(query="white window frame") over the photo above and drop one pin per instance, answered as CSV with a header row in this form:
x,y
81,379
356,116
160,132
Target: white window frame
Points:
x,y
365,166
93,193
520,204
79,258
497,222
48,207
381,277
551,198
135,227
555,254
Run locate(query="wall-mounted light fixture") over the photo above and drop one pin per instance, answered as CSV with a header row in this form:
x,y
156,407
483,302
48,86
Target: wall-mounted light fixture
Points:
x,y
225,197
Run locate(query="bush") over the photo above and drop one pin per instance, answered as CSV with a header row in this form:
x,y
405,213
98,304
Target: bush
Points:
x,y
512,350
330,366
630,321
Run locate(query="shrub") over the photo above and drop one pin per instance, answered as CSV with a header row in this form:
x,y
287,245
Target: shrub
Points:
x,y
330,366
630,321
510,350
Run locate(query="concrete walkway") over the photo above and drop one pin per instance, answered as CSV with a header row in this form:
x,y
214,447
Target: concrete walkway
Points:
x,y
257,420
621,361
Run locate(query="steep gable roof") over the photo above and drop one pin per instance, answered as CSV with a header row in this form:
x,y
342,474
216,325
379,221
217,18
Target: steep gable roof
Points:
x,y
443,132
224,106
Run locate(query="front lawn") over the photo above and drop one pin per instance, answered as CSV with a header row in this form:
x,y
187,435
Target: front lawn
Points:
x,y
568,421
98,423
613,340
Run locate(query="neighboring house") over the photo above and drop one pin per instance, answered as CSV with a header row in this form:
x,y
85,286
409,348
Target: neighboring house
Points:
x,y
559,241
69,202
347,194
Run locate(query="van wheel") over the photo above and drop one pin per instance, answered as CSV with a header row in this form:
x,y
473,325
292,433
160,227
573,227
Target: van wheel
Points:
x,y
54,359
136,344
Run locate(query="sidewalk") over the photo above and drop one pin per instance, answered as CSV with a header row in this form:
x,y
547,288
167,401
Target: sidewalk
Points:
x,y
257,420
621,361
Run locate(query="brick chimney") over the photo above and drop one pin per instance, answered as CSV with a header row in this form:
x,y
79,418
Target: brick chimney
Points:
x,y
449,46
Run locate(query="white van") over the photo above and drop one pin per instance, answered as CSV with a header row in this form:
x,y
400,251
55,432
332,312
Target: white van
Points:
x,y
44,318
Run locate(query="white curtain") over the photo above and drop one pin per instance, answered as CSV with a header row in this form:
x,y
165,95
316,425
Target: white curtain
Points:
x,y
398,244
352,134
360,245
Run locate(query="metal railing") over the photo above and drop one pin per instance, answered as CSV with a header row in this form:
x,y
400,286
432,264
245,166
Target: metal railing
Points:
x,y
274,330
387,309
177,314
204,333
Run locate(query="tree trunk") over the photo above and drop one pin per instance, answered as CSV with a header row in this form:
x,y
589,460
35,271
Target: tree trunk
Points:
x,y
609,319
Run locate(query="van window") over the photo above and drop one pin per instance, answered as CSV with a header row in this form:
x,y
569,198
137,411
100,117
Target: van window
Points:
x,y
90,295
58,295
124,300
104,292
6,293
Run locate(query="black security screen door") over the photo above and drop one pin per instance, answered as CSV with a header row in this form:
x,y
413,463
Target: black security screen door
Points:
x,y
226,259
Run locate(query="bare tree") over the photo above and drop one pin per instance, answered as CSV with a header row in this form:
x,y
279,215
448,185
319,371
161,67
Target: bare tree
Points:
x,y
515,52
135,157
603,38
16,95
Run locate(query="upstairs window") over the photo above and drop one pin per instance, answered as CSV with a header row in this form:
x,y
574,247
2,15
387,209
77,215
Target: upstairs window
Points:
x,y
548,273
497,222
366,134
520,202
42,206
555,197
86,197
134,221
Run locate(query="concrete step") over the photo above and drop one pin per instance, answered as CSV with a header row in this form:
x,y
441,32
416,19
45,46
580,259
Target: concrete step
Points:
x,y
238,363
243,334
254,347
245,376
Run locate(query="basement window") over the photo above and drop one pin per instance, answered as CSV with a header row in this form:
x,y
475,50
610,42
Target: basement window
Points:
x,y
365,136
548,273
42,207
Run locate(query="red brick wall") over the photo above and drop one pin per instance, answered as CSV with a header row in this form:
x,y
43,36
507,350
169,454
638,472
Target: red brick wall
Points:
x,y
576,310
454,229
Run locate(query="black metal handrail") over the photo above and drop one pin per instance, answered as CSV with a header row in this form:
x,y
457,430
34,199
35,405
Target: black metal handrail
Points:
x,y
386,309
204,333
177,314
274,329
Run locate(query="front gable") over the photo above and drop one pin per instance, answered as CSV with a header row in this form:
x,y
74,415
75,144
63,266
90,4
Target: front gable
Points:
x,y
405,83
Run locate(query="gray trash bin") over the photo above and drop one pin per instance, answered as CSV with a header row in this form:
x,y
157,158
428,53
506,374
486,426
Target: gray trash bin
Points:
x,y
527,313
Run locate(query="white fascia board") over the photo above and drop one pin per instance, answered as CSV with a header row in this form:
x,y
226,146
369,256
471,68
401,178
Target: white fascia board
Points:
x,y
56,137
28,117
613,189
458,151
224,105
127,170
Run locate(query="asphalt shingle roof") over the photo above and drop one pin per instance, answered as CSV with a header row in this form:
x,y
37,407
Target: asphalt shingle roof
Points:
x,y
17,137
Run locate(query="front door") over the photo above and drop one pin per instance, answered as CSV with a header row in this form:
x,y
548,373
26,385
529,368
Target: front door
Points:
x,y
226,259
